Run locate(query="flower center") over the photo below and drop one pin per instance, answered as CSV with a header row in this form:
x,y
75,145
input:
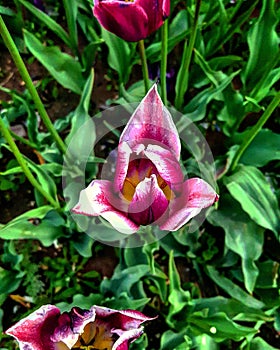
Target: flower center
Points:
x,y
138,170
94,338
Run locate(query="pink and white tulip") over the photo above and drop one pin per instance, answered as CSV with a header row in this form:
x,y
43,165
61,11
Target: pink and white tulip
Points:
x,y
98,328
149,186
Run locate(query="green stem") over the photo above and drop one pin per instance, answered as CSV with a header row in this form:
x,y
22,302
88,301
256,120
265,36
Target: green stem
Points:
x,y
255,130
23,140
183,74
29,84
163,63
6,133
144,65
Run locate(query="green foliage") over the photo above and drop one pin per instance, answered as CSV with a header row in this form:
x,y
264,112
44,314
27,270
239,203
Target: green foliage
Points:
x,y
212,284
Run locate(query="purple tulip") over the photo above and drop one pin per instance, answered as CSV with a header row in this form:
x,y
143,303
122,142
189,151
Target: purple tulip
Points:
x,y
131,20
98,328
149,186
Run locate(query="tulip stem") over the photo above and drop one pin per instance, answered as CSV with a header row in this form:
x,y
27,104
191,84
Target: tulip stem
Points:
x,y
29,84
183,74
163,63
255,130
22,162
144,65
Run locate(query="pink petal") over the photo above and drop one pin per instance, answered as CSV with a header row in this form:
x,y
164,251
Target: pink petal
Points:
x,y
131,21
153,122
33,332
121,319
98,199
71,325
167,165
196,195
149,202
126,337
124,323
125,19
124,153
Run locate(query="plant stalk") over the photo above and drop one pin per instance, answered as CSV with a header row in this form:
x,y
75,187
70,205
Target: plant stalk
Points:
x,y
144,65
183,74
255,130
163,63
29,84
7,135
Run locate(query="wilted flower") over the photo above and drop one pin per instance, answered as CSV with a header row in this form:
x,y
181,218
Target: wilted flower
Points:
x,y
131,20
98,328
149,186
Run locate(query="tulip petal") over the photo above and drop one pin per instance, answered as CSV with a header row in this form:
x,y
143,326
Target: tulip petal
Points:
x,y
126,337
167,165
120,18
153,122
71,325
196,195
149,202
157,11
124,153
98,199
124,323
33,332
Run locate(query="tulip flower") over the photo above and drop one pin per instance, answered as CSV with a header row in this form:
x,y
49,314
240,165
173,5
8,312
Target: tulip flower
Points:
x,y
131,20
148,187
98,328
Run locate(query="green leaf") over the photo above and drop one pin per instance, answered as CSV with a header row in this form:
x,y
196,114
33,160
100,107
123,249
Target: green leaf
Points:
x,y
232,289
249,187
119,55
125,302
263,149
218,326
48,21
195,110
82,301
243,236
71,10
233,308
263,44
177,31
180,300
10,281
268,275
205,342
6,11
63,67
42,223
234,109
81,115
264,85
124,280
83,244
260,344
46,181
171,340
216,37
